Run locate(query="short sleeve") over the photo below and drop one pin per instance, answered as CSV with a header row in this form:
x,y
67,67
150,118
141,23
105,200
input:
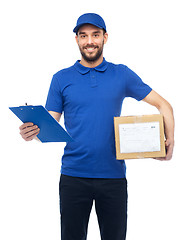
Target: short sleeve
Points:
x,y
135,87
54,98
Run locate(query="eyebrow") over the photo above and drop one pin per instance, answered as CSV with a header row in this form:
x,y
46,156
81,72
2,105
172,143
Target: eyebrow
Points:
x,y
98,31
81,33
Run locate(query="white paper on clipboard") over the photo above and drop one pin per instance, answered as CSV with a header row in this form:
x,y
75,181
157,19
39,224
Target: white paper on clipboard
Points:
x,y
139,137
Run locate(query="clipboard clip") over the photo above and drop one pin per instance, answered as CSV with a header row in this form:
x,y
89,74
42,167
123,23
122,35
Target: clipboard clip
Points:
x,y
26,105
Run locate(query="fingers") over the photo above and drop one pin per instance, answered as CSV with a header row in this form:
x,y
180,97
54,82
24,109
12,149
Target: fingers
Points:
x,y
169,151
24,125
169,144
161,159
28,131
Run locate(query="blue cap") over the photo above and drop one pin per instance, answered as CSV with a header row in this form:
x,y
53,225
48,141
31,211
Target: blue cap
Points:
x,y
90,18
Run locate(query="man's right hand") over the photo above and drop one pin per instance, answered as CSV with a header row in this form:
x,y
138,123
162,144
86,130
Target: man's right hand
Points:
x,y
29,131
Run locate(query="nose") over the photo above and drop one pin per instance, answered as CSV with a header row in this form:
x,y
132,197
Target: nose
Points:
x,y
89,39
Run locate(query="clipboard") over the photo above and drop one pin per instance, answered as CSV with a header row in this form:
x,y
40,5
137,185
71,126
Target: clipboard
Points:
x,y
50,129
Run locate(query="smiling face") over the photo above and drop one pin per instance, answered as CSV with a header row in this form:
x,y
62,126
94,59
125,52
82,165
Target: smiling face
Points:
x,y
91,40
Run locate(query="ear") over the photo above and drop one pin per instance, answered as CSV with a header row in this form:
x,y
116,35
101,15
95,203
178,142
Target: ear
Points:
x,y
105,37
76,37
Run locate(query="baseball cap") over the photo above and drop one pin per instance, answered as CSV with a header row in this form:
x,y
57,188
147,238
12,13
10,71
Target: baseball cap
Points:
x,y
90,18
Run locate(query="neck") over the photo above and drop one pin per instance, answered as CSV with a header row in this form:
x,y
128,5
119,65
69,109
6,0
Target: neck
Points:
x,y
92,64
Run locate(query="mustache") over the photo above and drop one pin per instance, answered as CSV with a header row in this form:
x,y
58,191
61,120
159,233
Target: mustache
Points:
x,y
90,46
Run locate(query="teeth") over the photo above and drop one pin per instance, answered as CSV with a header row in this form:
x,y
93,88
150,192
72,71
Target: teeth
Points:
x,y
90,49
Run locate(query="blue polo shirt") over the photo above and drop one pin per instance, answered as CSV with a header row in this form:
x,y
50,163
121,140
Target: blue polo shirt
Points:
x,y
90,99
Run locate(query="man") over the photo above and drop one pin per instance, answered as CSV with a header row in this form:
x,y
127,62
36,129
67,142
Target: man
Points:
x,y
90,93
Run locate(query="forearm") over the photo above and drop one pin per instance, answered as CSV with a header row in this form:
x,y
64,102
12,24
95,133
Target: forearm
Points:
x,y
57,118
55,115
167,111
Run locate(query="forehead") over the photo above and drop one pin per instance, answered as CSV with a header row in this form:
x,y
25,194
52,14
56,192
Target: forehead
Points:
x,y
89,28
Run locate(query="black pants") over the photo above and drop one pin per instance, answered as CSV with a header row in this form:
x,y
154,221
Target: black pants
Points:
x,y
76,200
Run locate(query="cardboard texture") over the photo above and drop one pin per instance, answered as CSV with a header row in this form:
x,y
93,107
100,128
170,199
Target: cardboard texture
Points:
x,y
139,137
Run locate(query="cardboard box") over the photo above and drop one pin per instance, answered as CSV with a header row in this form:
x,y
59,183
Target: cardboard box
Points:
x,y
139,137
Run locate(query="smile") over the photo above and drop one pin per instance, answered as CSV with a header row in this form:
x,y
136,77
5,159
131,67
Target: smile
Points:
x,y
90,49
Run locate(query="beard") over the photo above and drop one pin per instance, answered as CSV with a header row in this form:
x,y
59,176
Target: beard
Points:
x,y
91,57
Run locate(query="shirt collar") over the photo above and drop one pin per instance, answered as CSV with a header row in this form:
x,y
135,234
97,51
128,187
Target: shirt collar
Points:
x,y
83,70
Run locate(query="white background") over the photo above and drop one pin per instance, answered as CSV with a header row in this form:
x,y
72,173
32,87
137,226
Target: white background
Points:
x,y
37,41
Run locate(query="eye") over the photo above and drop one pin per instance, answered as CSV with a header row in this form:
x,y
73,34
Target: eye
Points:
x,y
96,35
82,36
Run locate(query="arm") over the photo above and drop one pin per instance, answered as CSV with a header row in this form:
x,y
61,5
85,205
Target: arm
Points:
x,y
166,110
29,131
55,115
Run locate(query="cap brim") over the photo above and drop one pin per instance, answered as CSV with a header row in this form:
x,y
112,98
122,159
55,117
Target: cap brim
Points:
x,y
75,30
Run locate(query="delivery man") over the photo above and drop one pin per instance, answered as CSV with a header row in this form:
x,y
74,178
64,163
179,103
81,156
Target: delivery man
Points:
x,y
90,93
